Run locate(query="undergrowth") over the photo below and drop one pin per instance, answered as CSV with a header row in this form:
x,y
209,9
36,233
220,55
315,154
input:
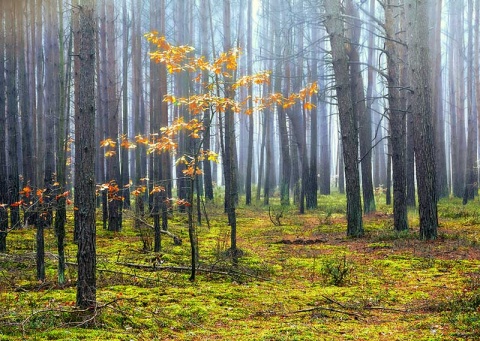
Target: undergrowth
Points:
x,y
301,280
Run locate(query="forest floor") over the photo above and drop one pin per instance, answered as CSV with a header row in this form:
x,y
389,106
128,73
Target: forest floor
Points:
x,y
301,280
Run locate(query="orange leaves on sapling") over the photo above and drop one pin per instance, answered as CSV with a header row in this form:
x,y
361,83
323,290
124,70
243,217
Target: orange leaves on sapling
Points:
x,y
17,203
127,144
139,190
157,189
26,191
108,143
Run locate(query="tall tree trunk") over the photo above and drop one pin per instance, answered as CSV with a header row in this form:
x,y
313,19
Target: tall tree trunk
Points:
x,y
112,114
361,112
419,72
285,164
40,126
85,160
471,172
397,110
12,112
312,183
437,99
24,99
348,127
324,132
459,167
249,170
207,166
3,143
124,152
230,171
61,153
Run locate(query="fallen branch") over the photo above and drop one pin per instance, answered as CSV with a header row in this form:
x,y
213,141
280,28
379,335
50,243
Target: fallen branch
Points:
x,y
387,309
176,240
188,269
356,315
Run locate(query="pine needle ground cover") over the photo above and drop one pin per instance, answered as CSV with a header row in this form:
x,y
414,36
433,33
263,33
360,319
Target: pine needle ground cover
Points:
x,y
298,279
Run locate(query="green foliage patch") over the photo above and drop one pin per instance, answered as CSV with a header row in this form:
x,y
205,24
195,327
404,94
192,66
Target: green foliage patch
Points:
x,y
301,280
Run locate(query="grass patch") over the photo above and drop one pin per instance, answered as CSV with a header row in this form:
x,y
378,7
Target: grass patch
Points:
x,y
301,280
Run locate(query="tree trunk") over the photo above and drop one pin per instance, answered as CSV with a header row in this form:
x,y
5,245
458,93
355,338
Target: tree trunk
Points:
x,y
12,113
124,152
230,171
85,160
285,163
3,145
112,114
419,71
348,127
437,100
360,111
249,170
471,173
397,111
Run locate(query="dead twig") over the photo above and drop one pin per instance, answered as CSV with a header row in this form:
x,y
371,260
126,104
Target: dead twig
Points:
x,y
356,315
229,272
278,216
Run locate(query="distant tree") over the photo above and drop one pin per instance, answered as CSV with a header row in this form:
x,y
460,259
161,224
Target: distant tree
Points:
x,y
125,152
85,158
437,98
286,163
471,164
459,142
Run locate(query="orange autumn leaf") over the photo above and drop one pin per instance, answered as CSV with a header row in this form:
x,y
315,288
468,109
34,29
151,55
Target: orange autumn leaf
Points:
x,y
108,143
17,203
26,191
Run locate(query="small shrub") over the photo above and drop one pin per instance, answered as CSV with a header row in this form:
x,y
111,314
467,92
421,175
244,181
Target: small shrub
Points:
x,y
337,271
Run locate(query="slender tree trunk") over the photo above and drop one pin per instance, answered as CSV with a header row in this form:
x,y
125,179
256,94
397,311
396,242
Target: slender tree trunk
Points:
x,y
361,112
437,100
12,112
124,152
348,128
230,171
285,163
419,71
112,114
3,143
85,159
61,163
24,99
471,173
397,111
249,170
459,166
312,187
207,166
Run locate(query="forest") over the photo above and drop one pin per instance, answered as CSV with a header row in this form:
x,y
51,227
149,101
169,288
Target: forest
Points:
x,y
239,169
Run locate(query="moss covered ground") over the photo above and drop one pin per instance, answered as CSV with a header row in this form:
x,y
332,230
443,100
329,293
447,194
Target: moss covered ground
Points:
x,y
301,280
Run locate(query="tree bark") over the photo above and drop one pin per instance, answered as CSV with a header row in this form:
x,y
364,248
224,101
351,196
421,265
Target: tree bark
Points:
x,y
362,114
12,113
419,72
85,159
3,145
397,110
349,132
